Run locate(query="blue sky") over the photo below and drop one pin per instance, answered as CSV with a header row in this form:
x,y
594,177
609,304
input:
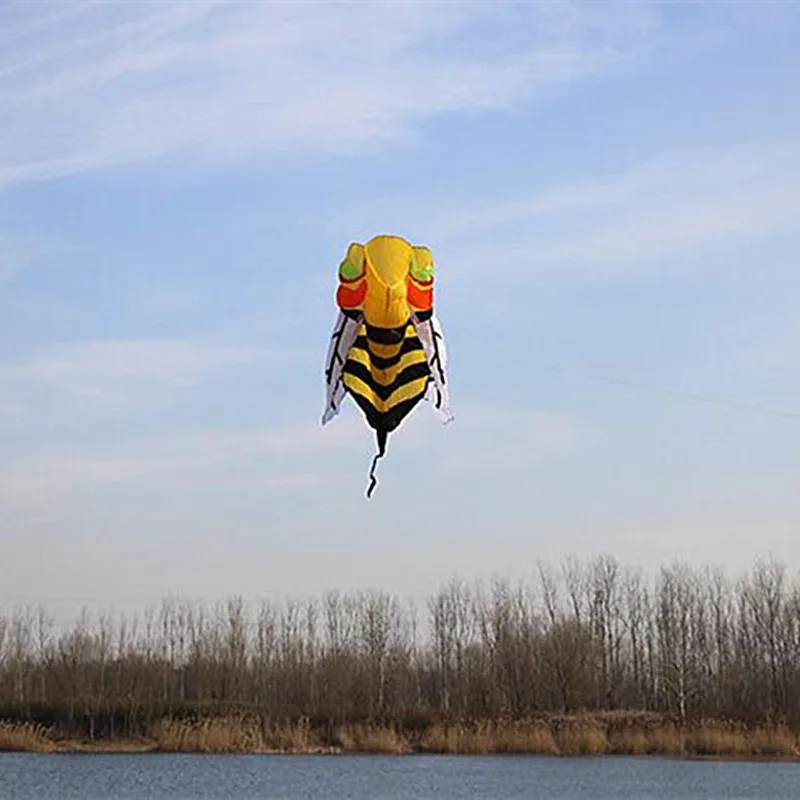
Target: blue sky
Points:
x,y
611,194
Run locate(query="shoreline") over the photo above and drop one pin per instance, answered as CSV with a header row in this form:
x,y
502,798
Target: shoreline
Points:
x,y
558,736
89,749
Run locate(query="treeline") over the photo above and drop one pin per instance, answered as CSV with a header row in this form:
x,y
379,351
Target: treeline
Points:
x,y
580,636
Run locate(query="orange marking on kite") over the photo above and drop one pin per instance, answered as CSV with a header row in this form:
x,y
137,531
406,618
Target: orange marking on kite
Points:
x,y
420,298
351,298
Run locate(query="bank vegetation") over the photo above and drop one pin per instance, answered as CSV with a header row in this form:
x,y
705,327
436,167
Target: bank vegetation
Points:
x,y
585,657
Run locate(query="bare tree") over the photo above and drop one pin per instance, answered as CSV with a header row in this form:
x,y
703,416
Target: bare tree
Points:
x,y
589,635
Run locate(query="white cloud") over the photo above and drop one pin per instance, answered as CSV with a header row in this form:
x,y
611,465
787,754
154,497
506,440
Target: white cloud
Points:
x,y
119,83
648,234
8,264
781,354
776,345
18,253
499,442
490,441
9,413
115,368
100,376
101,367
277,458
289,458
634,219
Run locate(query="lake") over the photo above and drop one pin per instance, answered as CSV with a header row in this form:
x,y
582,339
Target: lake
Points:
x,y
366,777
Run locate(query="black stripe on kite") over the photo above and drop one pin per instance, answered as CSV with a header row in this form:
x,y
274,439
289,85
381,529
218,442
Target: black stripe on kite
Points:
x,y
389,420
386,335
410,343
411,373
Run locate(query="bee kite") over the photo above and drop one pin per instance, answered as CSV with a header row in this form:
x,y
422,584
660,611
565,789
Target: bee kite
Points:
x,y
387,349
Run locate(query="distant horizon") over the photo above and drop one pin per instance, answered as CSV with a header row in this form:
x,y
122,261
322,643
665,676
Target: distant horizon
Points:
x,y
64,611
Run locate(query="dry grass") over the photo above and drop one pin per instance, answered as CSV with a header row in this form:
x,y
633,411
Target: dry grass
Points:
x,y
107,746
667,741
582,737
234,734
212,735
774,742
565,735
25,737
620,733
716,740
372,739
456,739
728,739
290,737
532,737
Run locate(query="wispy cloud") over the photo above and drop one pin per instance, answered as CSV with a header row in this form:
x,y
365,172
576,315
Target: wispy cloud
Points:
x,y
291,457
484,441
503,441
780,355
8,264
776,345
17,253
636,219
91,85
105,367
118,374
281,458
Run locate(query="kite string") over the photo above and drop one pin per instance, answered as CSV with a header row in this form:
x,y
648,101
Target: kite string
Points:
x,y
689,395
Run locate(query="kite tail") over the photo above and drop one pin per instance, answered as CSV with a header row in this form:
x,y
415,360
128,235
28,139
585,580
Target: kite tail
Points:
x,y
381,436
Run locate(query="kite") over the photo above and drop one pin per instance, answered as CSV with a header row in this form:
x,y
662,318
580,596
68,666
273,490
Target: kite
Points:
x,y
387,350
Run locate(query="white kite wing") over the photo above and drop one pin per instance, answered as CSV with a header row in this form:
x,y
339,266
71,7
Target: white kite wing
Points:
x,y
344,335
431,335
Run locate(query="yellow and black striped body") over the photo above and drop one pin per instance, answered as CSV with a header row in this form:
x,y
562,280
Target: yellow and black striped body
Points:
x,y
387,374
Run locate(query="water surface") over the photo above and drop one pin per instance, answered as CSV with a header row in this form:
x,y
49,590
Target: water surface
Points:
x,y
365,777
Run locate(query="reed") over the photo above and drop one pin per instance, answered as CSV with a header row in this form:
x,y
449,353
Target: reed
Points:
x,y
556,734
535,738
235,734
667,741
583,736
293,737
25,737
618,733
221,735
716,740
372,739
777,741
456,739
529,737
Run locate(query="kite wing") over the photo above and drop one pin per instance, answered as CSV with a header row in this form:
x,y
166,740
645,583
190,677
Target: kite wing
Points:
x,y
344,335
429,331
